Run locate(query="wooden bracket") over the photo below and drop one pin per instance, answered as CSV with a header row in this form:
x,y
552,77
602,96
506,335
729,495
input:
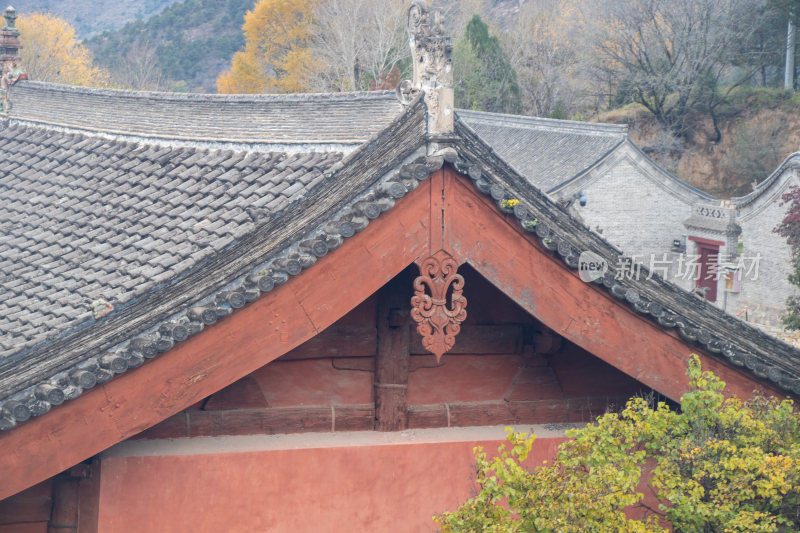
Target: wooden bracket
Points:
x,y
438,314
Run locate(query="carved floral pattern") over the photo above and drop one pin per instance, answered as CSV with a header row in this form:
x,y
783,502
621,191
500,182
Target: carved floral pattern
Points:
x,y
437,322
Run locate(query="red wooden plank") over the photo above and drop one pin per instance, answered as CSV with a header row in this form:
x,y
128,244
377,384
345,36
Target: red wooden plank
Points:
x,y
338,341
479,339
280,420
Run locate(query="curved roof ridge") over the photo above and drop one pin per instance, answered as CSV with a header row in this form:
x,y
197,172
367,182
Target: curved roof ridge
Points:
x,y
166,95
199,143
523,121
335,118
793,160
673,177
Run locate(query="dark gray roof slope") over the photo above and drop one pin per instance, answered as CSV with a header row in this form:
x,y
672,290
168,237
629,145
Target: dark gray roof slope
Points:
x,y
340,118
201,239
84,217
547,152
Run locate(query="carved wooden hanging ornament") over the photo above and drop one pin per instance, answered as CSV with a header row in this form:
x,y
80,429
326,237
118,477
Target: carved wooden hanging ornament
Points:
x,y
438,316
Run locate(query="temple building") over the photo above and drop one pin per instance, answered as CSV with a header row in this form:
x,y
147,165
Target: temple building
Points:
x,y
303,312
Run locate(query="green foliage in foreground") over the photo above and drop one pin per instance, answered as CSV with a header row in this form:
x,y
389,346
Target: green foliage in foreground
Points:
x,y
717,465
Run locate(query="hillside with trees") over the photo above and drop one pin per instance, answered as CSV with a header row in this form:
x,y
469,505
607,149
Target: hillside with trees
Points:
x,y
183,48
93,16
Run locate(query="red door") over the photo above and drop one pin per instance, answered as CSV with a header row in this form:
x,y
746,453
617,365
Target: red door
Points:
x,y
709,269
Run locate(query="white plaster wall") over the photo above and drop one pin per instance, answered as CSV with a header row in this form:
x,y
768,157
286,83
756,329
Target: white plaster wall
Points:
x,y
765,296
635,213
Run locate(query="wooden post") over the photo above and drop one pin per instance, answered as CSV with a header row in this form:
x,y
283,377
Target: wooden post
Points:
x,y
391,368
66,501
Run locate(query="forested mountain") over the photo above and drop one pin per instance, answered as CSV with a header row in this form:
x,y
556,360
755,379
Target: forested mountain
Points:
x,y
93,16
188,44
192,41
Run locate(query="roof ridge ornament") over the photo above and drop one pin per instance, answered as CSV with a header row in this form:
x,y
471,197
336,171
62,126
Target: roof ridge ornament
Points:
x,y
431,55
11,68
438,305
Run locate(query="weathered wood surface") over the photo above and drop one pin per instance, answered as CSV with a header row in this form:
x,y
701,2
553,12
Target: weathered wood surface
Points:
x,y
275,420
555,410
479,339
338,341
349,340
266,421
391,363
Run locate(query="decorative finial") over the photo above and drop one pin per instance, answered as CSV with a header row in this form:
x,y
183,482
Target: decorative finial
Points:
x,y
11,17
11,68
438,305
431,54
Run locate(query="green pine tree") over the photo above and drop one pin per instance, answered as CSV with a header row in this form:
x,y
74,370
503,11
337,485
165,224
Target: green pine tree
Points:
x,y
485,79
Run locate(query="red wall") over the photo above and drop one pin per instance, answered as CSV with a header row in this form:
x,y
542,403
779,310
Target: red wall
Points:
x,y
344,489
352,486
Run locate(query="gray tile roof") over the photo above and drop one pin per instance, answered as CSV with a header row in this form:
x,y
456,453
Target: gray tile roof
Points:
x,y
340,118
85,217
545,151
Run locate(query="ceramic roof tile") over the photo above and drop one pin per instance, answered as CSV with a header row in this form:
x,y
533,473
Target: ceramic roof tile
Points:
x,y
104,218
546,152
348,118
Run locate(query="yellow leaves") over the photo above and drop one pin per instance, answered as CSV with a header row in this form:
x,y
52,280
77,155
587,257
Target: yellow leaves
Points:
x,y
508,204
52,53
720,465
277,55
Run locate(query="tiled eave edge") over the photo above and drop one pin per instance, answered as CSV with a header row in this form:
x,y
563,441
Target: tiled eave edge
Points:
x,y
696,320
356,190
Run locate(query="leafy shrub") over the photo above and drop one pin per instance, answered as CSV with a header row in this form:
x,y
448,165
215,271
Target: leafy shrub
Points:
x,y
719,464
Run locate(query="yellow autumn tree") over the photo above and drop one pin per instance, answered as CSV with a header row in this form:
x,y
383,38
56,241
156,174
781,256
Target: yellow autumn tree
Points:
x,y
51,52
277,55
